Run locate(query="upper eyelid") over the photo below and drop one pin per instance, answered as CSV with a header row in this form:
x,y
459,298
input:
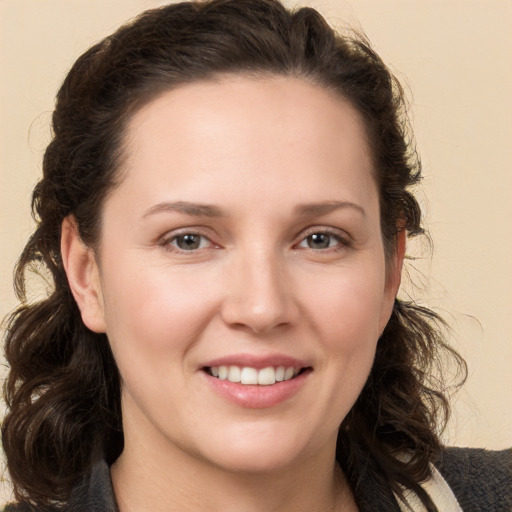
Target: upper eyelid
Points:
x,y
338,232
170,246
188,230
205,232
343,241
166,239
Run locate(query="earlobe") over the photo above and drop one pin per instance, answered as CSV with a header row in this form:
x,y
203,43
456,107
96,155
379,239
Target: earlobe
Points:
x,y
83,276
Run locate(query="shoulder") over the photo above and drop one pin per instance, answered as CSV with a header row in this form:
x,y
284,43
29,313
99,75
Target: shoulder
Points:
x,y
480,479
19,507
26,507
93,494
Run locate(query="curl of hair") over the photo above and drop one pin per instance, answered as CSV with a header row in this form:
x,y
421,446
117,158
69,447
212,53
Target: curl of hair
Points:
x,y
63,389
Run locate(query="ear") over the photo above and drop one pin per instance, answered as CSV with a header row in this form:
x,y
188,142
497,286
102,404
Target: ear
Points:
x,y
83,275
393,277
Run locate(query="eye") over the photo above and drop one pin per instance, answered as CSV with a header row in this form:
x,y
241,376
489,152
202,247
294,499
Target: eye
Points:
x,y
188,242
322,240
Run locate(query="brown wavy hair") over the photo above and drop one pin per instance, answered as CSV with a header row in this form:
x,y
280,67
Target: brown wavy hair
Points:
x,y
63,389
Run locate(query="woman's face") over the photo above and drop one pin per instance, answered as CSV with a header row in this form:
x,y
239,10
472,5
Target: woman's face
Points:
x,y
244,243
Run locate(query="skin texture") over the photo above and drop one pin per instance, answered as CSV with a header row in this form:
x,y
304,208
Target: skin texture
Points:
x,y
259,153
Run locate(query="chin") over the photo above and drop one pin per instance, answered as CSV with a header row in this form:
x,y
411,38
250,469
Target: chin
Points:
x,y
262,452
256,462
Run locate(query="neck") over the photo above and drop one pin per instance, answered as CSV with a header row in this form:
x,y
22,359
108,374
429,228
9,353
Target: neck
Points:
x,y
169,479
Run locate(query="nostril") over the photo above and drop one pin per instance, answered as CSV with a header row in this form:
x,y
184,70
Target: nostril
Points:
x,y
259,304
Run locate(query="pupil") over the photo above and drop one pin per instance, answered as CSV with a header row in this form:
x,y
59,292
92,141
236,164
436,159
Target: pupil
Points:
x,y
188,242
318,241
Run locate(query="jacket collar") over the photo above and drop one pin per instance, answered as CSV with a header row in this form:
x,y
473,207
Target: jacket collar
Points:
x,y
96,494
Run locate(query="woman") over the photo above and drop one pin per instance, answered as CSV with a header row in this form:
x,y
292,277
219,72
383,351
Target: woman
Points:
x,y
224,210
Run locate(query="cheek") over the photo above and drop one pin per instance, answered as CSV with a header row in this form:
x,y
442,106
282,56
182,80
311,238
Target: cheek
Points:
x,y
155,316
348,305
347,313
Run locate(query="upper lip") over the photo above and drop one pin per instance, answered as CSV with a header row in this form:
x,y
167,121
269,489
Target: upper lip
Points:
x,y
257,361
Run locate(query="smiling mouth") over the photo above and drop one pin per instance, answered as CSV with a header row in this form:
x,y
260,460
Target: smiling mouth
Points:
x,y
252,376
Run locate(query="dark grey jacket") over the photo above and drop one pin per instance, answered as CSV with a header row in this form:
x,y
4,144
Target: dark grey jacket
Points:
x,y
480,479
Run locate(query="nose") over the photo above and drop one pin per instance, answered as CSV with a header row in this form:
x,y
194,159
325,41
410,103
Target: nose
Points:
x,y
259,294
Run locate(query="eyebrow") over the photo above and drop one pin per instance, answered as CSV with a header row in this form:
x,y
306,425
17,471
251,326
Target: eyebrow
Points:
x,y
194,209
325,207
208,210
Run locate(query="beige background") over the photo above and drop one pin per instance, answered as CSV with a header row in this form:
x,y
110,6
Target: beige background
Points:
x,y
455,57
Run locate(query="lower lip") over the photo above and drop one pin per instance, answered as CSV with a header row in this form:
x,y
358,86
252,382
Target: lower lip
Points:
x,y
255,396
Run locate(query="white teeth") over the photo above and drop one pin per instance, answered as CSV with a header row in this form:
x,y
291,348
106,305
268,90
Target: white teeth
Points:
x,y
234,374
247,375
267,376
280,373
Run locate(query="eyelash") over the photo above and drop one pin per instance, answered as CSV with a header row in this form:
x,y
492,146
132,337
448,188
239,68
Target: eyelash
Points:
x,y
342,241
170,243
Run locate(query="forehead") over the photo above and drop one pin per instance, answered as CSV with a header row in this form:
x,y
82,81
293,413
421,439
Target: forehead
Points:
x,y
250,101
262,134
